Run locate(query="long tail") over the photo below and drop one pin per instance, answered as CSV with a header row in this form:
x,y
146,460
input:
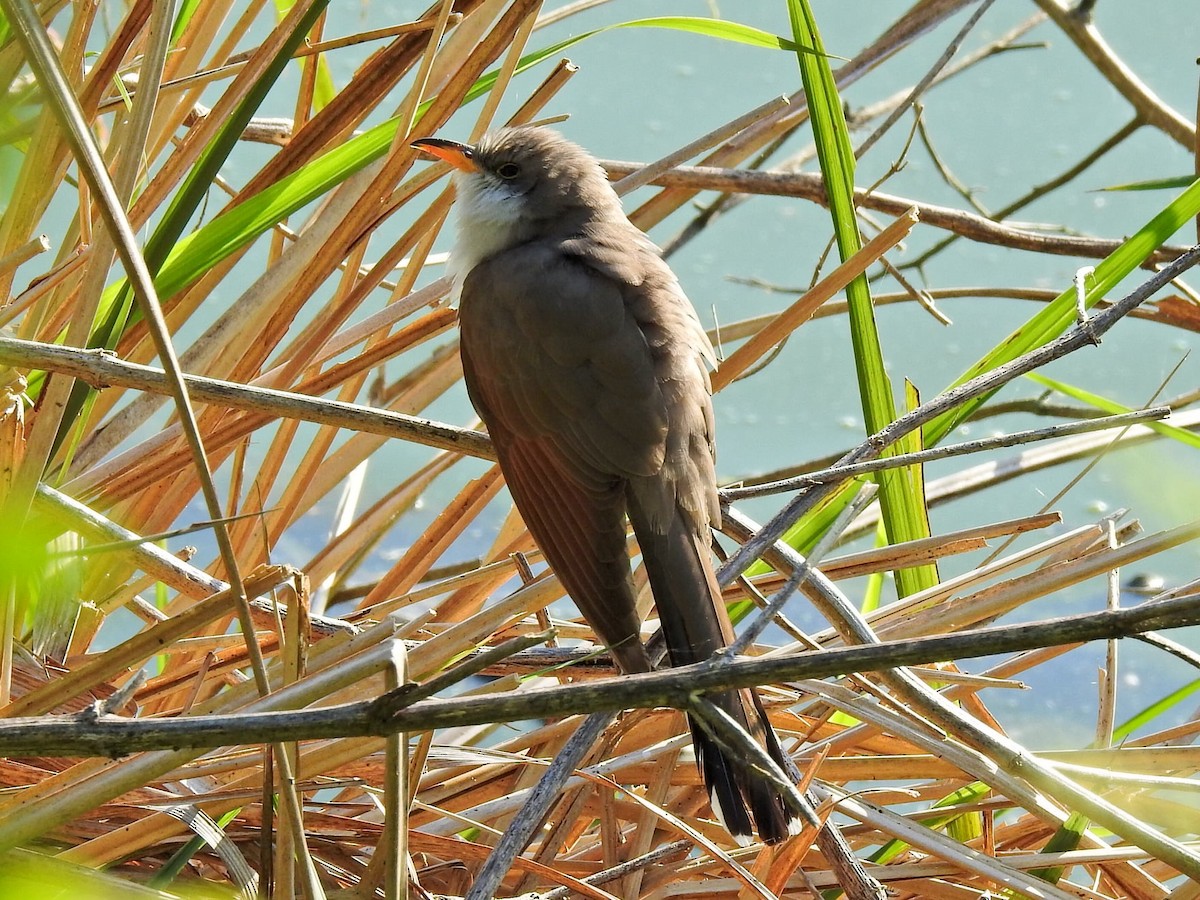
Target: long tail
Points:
x,y
696,625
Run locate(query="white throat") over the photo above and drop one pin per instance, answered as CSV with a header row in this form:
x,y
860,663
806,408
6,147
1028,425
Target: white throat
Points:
x,y
491,218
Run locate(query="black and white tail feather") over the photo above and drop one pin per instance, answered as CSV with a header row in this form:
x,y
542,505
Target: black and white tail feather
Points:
x,y
749,785
695,625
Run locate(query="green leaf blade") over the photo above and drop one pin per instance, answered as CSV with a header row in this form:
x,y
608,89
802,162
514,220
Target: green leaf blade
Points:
x,y
903,512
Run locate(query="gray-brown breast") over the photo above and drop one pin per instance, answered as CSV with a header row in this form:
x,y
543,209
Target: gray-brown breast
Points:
x,y
566,359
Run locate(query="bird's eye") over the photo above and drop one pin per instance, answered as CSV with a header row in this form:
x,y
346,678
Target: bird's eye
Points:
x,y
509,170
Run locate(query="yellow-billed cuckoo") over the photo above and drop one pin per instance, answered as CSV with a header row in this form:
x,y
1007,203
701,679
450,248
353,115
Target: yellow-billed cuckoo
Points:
x,y
589,367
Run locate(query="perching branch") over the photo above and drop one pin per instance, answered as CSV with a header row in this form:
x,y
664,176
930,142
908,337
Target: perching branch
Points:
x,y
92,735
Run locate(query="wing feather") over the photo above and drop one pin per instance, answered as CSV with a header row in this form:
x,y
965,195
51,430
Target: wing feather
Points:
x,y
565,360
570,426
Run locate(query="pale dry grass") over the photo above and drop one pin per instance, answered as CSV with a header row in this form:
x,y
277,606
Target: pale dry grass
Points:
x,y
346,305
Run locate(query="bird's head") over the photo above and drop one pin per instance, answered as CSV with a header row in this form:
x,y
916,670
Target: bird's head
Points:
x,y
524,181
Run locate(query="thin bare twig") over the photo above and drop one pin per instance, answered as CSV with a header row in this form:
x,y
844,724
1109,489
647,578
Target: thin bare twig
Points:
x,y
841,473
808,186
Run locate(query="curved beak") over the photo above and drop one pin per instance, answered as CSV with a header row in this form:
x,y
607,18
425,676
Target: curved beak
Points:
x,y
460,156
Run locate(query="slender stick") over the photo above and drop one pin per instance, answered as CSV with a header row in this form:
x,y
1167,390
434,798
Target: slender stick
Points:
x,y
809,186
518,835
102,368
853,470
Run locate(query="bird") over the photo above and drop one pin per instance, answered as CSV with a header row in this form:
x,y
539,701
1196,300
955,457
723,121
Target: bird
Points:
x,y
589,367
